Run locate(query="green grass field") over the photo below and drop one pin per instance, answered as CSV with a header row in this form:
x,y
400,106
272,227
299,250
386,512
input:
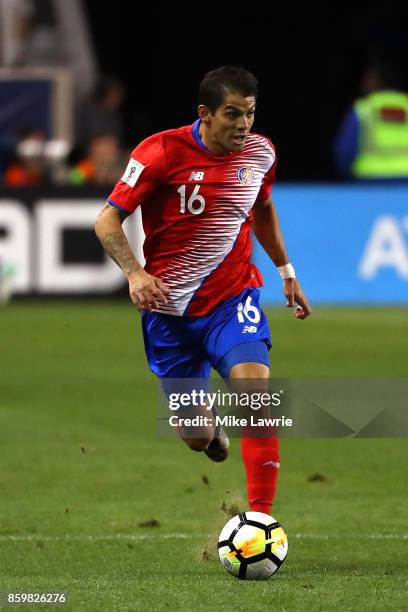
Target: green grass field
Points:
x,y
82,467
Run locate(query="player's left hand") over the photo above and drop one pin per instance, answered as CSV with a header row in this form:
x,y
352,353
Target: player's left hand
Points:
x,y
294,295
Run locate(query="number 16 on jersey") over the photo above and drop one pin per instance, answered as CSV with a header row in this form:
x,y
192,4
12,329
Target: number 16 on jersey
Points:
x,y
192,201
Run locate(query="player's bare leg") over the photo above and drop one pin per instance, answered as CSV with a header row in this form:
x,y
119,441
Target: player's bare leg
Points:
x,y
197,437
210,439
245,371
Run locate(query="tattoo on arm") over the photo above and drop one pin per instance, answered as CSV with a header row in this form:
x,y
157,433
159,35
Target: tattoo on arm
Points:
x,y
117,246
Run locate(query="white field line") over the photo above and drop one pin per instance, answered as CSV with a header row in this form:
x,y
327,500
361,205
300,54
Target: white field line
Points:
x,y
182,536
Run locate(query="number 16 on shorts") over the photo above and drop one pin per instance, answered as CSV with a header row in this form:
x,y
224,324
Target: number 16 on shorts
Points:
x,y
246,311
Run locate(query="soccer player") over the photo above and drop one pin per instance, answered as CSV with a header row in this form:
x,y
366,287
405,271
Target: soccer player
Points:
x,y
202,188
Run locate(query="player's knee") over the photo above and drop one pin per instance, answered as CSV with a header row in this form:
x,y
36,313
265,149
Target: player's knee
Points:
x,y
249,370
198,444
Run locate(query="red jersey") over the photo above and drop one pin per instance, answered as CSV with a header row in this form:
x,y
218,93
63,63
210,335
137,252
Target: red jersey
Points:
x,y
196,213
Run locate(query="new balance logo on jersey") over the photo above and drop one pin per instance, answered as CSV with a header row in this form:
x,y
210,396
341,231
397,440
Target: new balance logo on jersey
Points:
x,y
249,329
196,176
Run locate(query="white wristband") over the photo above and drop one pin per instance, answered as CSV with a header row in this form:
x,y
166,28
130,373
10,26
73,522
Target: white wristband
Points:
x,y
287,271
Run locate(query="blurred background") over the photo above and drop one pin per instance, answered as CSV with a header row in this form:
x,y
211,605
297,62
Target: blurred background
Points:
x,y
82,83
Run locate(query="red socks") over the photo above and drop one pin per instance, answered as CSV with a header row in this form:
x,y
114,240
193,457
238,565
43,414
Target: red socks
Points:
x,y
261,461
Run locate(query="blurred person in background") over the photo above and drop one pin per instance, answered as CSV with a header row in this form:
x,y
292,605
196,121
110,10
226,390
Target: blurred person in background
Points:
x,y
101,114
36,161
103,164
372,142
28,168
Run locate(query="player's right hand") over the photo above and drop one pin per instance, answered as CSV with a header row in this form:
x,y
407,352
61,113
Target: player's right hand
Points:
x,y
146,291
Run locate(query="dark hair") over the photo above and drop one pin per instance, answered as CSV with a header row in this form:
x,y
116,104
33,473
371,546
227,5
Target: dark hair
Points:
x,y
218,82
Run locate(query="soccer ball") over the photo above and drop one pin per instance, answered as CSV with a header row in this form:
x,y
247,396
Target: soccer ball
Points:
x,y
252,546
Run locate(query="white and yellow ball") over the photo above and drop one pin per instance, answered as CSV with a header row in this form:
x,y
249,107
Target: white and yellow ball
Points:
x,y
252,546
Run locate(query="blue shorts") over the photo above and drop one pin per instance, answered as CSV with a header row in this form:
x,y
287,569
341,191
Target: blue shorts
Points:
x,y
188,347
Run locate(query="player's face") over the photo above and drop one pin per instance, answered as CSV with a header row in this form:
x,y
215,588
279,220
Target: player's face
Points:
x,y
225,131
